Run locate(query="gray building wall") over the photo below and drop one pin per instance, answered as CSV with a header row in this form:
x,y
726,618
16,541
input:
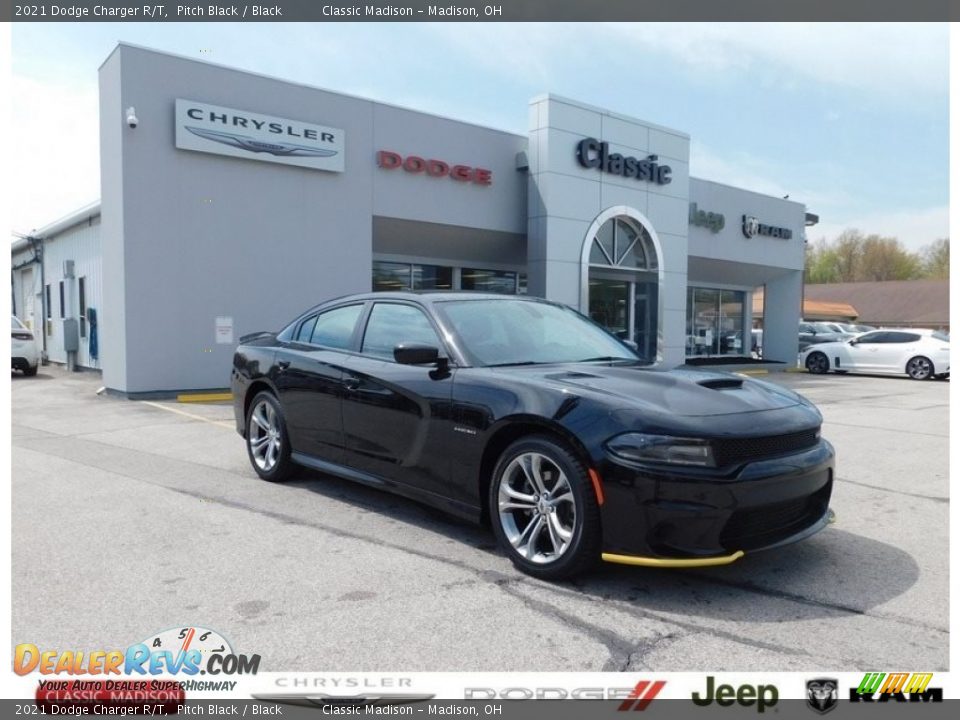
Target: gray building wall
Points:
x,y
188,236
81,244
567,204
730,260
195,235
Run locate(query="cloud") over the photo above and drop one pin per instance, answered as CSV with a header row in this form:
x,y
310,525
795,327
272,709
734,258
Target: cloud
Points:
x,y
765,176
885,58
57,152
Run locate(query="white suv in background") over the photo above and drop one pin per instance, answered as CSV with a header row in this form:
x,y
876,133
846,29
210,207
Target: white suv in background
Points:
x,y
23,348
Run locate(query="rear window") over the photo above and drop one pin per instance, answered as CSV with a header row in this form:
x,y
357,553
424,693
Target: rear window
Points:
x,y
334,328
939,335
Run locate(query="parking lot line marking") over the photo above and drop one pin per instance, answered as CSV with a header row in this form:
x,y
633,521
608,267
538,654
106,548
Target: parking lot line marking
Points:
x,y
178,411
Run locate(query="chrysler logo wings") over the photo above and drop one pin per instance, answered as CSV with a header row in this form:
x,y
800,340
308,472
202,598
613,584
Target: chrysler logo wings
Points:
x,y
320,700
250,144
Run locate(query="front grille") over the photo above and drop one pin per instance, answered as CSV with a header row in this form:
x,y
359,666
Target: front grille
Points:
x,y
740,450
768,524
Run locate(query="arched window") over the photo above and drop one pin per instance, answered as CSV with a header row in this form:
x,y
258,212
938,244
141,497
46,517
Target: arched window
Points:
x,y
623,244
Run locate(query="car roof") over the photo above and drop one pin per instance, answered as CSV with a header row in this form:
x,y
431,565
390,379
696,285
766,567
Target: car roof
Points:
x,y
424,297
917,331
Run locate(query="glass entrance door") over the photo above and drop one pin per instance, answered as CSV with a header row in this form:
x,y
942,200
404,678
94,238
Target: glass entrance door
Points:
x,y
715,322
610,305
627,307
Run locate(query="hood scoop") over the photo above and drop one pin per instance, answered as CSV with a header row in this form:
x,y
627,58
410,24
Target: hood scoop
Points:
x,y
721,383
572,375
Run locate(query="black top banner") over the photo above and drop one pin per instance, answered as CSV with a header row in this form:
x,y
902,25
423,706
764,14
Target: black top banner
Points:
x,y
468,11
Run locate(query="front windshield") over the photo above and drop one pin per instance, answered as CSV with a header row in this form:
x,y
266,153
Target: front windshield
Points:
x,y
519,332
823,328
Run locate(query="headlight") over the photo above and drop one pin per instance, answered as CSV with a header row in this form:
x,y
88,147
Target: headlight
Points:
x,y
640,447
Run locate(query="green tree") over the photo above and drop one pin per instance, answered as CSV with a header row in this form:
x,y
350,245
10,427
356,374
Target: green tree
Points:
x,y
848,251
821,263
936,259
884,258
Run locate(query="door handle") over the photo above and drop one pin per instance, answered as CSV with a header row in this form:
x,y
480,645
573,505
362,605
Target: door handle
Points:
x,y
351,383
283,364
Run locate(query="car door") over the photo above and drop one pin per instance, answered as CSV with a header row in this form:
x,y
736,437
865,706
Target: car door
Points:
x,y
866,352
899,348
309,381
806,336
396,417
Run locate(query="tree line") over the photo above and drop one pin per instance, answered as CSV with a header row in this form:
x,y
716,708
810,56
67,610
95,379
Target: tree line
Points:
x,y
855,257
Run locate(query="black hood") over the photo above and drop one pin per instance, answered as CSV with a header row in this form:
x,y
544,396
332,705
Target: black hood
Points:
x,y
680,392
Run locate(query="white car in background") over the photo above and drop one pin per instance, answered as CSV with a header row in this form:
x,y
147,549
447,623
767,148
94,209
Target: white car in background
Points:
x,y
23,348
920,354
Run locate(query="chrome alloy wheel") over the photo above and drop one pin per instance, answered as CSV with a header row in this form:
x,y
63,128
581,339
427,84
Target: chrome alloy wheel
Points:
x,y
537,509
263,436
919,368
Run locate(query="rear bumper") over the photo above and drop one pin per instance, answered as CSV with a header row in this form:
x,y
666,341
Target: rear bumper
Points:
x,y
708,517
23,363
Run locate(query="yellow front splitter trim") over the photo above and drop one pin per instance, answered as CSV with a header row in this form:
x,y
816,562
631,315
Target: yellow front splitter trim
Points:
x,y
204,397
672,562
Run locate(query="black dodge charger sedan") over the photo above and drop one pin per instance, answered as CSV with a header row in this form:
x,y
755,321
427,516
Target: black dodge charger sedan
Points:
x,y
526,414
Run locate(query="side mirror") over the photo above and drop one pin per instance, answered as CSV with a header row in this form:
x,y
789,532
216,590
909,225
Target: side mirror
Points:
x,y
416,354
853,341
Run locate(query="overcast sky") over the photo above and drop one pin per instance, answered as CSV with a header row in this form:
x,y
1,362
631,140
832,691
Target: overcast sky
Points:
x,y
850,119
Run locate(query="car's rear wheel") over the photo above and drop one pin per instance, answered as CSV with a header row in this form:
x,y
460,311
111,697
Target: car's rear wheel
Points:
x,y
267,443
543,509
817,363
920,368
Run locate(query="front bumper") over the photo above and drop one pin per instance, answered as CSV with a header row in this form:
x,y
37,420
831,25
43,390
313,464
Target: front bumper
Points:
x,y
692,516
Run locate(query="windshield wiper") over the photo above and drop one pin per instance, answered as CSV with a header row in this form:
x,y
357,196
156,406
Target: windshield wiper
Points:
x,y
511,364
607,358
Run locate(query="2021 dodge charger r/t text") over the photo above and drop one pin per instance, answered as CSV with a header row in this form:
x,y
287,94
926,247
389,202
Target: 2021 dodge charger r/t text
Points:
x,y
523,413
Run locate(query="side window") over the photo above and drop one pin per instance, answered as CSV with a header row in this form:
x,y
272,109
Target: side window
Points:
x,y
306,330
391,324
902,337
874,337
334,328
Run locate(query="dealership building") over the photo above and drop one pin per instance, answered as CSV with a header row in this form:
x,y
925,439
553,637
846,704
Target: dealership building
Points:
x,y
231,201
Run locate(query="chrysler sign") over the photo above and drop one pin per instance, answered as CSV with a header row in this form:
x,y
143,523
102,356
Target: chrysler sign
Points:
x,y
243,134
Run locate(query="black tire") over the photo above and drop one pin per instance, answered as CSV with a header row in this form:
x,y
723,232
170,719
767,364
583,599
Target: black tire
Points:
x,y
579,515
31,371
818,363
281,467
919,368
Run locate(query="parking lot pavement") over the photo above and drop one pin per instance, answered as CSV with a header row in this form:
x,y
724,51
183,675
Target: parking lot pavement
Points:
x,y
133,517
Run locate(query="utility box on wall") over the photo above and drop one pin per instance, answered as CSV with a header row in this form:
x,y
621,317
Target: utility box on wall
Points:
x,y
71,335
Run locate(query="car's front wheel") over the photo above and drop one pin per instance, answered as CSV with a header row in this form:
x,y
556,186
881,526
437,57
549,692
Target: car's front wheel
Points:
x,y
817,363
267,443
544,510
920,368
